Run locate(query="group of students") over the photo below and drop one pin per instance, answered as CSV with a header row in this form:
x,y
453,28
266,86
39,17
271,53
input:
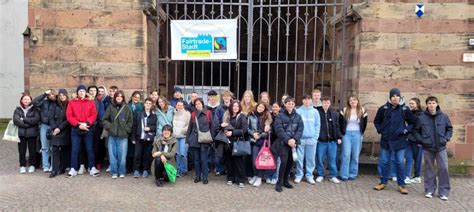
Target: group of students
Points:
x,y
81,132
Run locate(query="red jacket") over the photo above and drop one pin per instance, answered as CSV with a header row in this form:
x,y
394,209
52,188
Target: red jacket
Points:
x,y
81,110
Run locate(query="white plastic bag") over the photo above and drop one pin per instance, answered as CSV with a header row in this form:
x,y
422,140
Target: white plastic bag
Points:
x,y
11,133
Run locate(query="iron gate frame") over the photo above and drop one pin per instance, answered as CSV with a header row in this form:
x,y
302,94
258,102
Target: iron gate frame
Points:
x,y
261,4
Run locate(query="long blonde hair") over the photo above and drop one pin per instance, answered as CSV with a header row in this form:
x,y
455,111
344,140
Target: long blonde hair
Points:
x,y
248,108
347,110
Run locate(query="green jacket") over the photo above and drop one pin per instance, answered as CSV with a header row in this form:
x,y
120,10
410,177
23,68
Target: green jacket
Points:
x,y
120,126
172,148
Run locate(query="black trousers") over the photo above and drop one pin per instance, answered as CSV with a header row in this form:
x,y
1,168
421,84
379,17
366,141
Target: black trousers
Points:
x,y
160,172
235,166
142,159
286,163
61,156
30,144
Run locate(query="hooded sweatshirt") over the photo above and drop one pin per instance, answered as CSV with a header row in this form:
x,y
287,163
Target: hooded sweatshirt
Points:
x,y
311,122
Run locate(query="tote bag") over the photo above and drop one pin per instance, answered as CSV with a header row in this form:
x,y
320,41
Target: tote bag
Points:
x,y
11,133
265,159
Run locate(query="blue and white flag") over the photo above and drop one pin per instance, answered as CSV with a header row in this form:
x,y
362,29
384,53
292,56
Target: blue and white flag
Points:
x,y
420,10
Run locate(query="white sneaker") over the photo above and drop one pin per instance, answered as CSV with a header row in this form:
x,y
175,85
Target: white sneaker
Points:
x,y
108,169
297,180
22,170
319,179
81,169
274,181
94,172
114,176
258,182
445,198
31,169
229,182
394,179
429,195
46,170
122,176
407,180
72,173
310,180
268,181
334,180
241,185
416,180
252,180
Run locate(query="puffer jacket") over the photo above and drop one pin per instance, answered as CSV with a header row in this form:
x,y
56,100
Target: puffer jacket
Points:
x,y
204,126
27,123
122,126
170,155
434,131
330,130
164,118
137,124
394,123
45,106
240,127
288,126
412,136
81,111
57,119
256,125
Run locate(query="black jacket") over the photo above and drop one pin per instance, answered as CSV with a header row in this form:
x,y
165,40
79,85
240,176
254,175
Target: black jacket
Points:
x,y
204,126
57,119
434,131
240,126
137,124
27,123
330,130
343,121
45,106
287,126
412,136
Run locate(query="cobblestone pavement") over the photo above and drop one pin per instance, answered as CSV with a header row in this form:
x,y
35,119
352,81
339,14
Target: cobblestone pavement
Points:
x,y
37,192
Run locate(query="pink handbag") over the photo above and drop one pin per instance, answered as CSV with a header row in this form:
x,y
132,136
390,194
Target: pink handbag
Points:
x,y
265,159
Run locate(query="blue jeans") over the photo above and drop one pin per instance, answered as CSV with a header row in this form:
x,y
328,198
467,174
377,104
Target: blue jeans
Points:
x,y
385,158
351,145
273,174
329,149
117,155
306,151
413,155
45,145
200,156
182,156
76,140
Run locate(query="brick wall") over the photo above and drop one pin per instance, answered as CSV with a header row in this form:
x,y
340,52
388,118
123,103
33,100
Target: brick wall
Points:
x,y
94,42
422,57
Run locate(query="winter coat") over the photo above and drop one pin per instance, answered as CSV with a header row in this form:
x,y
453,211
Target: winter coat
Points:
x,y
121,126
287,126
107,101
135,107
57,119
99,106
164,118
240,127
204,126
257,125
221,109
27,123
81,111
45,106
311,121
181,123
362,122
137,124
170,155
330,130
434,131
412,136
394,123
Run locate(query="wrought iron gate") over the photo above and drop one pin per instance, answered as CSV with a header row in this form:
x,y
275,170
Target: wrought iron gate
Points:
x,y
284,46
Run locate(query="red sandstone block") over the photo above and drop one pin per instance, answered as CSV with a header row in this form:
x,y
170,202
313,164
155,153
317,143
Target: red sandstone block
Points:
x,y
370,25
45,18
80,19
72,18
130,82
38,53
409,57
75,80
464,151
399,25
68,54
441,26
31,17
46,80
421,85
110,54
470,134
416,25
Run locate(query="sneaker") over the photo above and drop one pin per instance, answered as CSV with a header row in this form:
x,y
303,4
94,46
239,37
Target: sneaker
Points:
x,y
334,180
94,172
122,176
394,179
114,176
22,170
416,180
136,174
319,179
407,180
72,173
81,169
252,180
429,195
310,180
108,169
31,169
268,181
218,174
297,180
229,182
241,185
445,198
258,182
46,170
380,187
402,190
145,174
274,181
249,179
